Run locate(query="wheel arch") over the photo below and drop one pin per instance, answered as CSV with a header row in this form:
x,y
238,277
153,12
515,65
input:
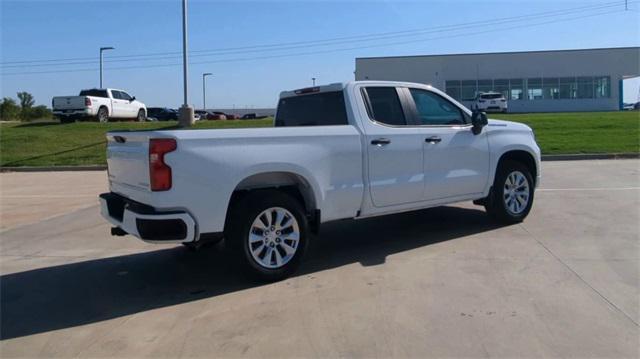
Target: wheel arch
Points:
x,y
106,107
521,156
291,183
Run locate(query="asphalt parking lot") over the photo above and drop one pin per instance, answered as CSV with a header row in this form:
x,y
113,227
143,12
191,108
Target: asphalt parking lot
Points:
x,y
439,282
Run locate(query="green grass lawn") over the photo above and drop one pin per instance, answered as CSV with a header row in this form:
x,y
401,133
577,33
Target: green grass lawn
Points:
x,y
83,143
582,132
80,143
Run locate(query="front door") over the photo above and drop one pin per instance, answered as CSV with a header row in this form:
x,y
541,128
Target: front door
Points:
x,y
456,161
118,105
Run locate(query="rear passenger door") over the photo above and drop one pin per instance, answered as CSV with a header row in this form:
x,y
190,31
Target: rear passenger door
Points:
x,y
395,150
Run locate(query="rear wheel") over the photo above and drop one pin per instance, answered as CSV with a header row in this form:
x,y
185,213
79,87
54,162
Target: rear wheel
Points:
x,y
103,114
512,193
268,234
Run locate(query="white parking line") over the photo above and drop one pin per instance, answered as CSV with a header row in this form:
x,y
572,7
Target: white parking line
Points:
x,y
50,196
589,189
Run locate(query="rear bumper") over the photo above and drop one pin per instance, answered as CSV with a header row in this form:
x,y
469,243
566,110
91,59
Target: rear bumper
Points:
x,y
76,112
145,222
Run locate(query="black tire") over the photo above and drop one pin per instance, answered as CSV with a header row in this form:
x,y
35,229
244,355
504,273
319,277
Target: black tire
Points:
x,y
141,116
240,222
496,203
103,114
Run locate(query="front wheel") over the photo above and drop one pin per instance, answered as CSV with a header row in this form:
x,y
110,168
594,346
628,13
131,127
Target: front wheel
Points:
x,y
268,234
141,116
512,193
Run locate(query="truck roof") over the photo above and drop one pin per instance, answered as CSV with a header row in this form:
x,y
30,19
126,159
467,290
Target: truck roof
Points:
x,y
339,86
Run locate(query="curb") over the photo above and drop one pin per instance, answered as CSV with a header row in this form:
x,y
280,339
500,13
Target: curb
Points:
x,y
53,169
590,156
572,157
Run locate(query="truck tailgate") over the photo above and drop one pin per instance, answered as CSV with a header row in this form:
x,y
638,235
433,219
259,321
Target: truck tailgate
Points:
x,y
68,102
128,159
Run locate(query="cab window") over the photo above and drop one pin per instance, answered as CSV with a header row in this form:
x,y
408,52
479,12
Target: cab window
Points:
x,y
319,109
434,110
384,106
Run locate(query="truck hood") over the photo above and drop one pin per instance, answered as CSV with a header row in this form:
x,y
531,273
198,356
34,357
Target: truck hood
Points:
x,y
508,125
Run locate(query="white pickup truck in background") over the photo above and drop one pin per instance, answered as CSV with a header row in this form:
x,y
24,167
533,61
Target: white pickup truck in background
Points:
x,y
101,104
352,150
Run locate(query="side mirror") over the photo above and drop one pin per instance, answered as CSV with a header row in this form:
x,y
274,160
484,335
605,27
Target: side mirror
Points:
x,y
133,99
478,120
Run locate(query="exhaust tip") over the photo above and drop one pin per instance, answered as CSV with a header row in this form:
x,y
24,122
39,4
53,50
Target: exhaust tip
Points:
x,y
117,231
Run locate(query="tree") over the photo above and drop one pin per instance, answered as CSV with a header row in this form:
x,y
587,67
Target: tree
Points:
x,y
9,109
40,112
26,103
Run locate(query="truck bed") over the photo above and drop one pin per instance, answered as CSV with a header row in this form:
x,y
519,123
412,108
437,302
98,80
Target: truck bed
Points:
x,y
208,165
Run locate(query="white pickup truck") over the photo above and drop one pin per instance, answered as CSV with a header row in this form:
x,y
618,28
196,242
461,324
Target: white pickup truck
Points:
x,y
352,150
101,104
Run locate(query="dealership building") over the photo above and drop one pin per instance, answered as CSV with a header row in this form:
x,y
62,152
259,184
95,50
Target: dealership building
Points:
x,y
531,81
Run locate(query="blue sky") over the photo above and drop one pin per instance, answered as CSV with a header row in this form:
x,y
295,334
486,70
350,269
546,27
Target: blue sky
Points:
x,y
43,30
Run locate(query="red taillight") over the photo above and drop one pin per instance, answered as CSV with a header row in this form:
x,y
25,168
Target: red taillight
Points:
x,y
160,172
87,101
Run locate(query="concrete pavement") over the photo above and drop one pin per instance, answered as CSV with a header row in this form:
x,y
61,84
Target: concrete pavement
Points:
x,y
438,282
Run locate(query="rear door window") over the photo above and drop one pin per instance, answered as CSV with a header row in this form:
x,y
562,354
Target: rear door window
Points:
x,y
319,109
384,106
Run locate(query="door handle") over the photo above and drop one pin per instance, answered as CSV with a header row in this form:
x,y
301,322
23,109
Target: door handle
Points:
x,y
433,139
381,141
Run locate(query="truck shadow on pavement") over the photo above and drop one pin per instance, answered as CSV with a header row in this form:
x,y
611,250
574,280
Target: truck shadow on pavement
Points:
x,y
75,294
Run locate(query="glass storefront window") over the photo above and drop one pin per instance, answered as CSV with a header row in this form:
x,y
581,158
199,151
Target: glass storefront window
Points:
x,y
534,88
485,86
517,89
452,88
501,86
468,90
585,87
602,87
550,89
568,87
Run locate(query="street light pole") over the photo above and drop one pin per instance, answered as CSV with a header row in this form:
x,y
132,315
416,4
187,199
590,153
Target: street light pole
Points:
x,y
314,80
186,111
204,90
101,50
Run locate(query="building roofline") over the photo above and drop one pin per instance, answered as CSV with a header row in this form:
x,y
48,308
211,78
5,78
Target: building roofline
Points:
x,y
501,53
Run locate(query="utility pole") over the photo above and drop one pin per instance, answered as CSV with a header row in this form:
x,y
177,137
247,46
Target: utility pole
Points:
x,y
204,90
186,112
101,50
314,80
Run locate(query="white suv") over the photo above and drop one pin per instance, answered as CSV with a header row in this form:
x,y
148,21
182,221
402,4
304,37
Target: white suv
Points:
x,y
491,102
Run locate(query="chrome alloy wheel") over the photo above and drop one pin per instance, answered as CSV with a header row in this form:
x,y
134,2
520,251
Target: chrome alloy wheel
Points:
x,y
274,237
516,193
